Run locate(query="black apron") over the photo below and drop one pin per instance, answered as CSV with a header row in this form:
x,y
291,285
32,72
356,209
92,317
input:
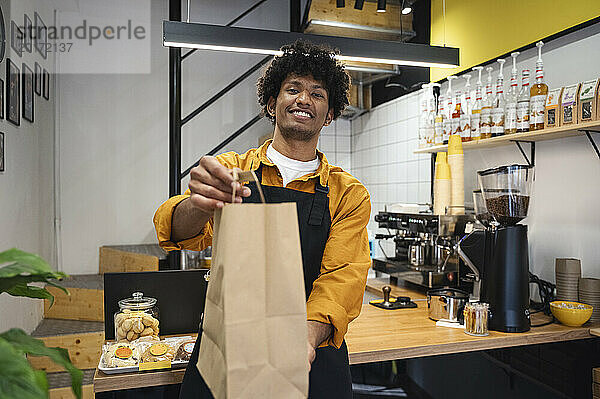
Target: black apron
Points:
x,y
330,372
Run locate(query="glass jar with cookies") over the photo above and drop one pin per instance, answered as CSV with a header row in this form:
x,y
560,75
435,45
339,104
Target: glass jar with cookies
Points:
x,y
137,317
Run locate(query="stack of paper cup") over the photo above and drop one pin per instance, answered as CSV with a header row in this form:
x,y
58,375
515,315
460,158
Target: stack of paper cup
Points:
x,y
441,185
456,160
568,272
589,293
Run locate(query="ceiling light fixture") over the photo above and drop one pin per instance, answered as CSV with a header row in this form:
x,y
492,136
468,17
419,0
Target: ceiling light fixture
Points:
x,y
406,10
340,3
358,4
381,5
259,41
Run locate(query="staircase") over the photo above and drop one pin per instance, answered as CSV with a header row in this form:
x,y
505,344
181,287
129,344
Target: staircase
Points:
x,y
76,321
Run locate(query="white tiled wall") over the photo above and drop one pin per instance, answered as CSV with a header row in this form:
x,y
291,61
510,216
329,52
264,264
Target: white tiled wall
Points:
x,y
335,143
383,142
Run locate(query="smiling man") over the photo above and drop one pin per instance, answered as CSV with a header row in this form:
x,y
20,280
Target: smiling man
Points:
x,y
301,91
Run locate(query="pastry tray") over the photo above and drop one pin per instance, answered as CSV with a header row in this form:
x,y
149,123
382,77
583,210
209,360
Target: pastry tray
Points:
x,y
131,369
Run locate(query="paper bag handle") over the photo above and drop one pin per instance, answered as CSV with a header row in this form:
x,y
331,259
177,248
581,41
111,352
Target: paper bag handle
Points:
x,y
245,177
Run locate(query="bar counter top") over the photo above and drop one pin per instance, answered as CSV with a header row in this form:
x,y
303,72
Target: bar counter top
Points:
x,y
380,335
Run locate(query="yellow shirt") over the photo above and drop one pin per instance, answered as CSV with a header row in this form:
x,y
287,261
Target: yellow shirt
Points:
x,y
336,296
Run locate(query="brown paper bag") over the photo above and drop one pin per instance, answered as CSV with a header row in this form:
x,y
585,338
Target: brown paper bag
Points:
x,y
254,331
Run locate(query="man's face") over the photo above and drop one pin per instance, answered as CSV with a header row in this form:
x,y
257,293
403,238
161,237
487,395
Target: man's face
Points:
x,y
301,108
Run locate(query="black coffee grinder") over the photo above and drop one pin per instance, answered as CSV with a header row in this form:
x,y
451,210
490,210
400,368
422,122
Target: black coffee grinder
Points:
x,y
501,250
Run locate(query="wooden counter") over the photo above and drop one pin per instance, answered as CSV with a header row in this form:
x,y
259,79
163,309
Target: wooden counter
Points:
x,y
379,335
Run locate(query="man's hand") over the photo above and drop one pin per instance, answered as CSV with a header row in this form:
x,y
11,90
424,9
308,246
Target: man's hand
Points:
x,y
211,186
317,334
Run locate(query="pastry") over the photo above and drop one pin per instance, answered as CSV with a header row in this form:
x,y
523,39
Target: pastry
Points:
x,y
121,355
159,351
147,331
184,352
129,325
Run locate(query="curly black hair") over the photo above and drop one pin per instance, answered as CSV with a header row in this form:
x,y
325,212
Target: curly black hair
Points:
x,y
303,58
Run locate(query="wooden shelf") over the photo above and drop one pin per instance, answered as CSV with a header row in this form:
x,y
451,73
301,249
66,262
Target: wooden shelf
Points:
x,y
538,135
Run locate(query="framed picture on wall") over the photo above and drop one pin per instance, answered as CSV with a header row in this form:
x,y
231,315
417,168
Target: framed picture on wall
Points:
x,y
1,99
27,93
40,35
16,38
1,152
38,79
46,88
27,35
13,93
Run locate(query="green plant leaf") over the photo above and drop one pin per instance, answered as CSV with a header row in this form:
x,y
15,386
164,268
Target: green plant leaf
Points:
x,y
35,347
41,380
17,378
21,269
22,262
24,269
9,282
63,289
31,291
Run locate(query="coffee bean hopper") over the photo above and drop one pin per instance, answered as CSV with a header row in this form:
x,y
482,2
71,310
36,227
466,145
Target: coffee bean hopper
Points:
x,y
505,264
506,191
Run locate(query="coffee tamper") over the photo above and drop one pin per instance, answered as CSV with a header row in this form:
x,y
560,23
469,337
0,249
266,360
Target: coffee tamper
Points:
x,y
401,302
386,297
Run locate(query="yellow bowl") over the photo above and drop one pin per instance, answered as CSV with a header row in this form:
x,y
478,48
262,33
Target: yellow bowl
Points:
x,y
571,317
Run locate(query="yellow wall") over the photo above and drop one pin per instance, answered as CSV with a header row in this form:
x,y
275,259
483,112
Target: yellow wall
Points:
x,y
486,29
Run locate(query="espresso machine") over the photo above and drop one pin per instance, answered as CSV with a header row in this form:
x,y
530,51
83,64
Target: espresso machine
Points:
x,y
425,249
500,204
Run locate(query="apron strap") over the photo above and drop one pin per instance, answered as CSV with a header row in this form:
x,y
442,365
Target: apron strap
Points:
x,y
258,172
319,205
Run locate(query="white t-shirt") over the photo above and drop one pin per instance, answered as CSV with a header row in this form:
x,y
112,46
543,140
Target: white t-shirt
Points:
x,y
290,168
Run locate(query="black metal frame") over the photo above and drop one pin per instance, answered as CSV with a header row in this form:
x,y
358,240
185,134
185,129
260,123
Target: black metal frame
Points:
x,y
592,142
174,107
174,121
531,158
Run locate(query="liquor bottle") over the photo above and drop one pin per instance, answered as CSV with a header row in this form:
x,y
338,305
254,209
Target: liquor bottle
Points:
x,y
523,104
423,118
465,117
440,119
476,111
512,98
457,114
538,93
448,123
486,107
499,104
432,113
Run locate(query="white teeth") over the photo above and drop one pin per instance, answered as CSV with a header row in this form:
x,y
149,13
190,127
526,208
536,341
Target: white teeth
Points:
x,y
302,113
